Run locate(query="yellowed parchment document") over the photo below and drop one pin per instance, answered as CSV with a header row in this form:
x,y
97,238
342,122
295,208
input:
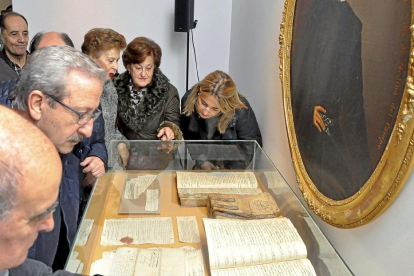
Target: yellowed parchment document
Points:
x,y
216,180
301,267
188,229
240,243
136,186
137,231
130,261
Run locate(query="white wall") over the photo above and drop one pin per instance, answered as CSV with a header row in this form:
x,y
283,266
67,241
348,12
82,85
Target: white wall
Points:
x,y
132,18
254,66
382,247
250,54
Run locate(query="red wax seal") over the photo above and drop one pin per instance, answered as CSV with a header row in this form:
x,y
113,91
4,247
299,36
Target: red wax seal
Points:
x,y
127,240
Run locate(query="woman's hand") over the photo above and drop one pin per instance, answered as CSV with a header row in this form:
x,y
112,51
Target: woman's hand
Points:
x,y
166,134
317,118
123,154
167,147
208,166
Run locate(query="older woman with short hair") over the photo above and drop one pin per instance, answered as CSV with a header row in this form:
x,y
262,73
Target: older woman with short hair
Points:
x,y
148,104
104,47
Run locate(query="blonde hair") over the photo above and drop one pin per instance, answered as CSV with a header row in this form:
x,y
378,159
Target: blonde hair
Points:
x,y
223,88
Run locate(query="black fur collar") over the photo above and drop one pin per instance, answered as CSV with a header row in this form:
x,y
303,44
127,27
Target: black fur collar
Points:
x,y
136,116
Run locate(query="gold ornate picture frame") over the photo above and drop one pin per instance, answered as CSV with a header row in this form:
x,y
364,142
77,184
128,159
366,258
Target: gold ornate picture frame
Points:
x,y
355,96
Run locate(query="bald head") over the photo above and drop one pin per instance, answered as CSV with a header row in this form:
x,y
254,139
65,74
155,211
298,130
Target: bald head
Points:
x,y
50,38
29,184
26,150
42,39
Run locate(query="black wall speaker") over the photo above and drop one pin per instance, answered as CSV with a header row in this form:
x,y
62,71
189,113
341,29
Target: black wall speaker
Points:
x,y
184,15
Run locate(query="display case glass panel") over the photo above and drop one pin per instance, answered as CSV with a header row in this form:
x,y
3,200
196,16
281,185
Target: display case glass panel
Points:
x,y
154,165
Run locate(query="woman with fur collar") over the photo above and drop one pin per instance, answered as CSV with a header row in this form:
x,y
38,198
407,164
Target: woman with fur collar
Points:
x,y
148,104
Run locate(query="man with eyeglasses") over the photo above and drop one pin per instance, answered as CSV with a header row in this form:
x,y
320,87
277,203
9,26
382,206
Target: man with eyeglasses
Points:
x,y
91,152
29,186
59,92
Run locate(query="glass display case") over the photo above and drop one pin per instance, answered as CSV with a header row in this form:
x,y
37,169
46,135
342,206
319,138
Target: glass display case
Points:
x,y
156,164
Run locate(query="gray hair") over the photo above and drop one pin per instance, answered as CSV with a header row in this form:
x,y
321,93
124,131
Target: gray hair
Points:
x,y
9,187
47,71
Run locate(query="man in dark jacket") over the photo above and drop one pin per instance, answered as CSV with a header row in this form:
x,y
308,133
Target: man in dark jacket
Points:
x,y
91,151
14,30
63,107
29,187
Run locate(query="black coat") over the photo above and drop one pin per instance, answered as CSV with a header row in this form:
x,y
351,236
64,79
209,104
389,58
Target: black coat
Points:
x,y
160,107
327,71
243,126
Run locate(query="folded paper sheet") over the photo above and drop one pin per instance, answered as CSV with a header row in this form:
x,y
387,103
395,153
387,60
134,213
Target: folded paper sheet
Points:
x,y
125,261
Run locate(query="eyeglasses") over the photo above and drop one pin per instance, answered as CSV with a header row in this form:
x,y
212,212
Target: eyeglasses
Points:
x,y
84,118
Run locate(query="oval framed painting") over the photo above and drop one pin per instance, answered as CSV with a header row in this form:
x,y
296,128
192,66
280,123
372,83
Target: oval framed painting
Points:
x,y
347,79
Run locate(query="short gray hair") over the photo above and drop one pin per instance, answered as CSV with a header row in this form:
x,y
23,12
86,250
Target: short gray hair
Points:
x,y
47,71
10,178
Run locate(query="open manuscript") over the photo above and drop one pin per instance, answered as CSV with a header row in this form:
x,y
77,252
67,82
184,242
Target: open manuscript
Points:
x,y
265,247
195,187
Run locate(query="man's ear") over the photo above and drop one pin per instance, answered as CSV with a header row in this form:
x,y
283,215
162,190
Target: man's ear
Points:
x,y
35,104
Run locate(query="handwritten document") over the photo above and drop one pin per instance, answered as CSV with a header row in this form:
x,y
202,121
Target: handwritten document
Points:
x,y
73,264
275,181
148,263
152,200
301,267
194,265
136,186
101,267
216,180
172,262
184,261
124,261
234,243
201,191
84,231
108,254
188,229
137,231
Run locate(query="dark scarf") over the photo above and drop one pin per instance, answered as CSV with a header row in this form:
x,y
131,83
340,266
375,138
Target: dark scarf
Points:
x,y
135,114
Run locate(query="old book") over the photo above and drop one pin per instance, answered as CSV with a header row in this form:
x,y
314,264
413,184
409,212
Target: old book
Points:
x,y
195,187
256,247
259,206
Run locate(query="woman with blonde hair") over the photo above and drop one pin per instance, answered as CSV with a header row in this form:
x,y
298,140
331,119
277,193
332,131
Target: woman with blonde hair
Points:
x,y
214,110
